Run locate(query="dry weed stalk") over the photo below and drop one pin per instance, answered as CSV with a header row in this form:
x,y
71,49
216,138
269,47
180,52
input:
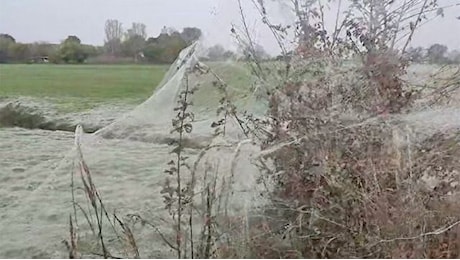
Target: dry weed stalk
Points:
x,y
97,208
180,193
180,199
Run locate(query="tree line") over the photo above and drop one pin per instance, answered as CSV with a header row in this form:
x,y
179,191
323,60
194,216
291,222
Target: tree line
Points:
x,y
120,46
435,54
134,46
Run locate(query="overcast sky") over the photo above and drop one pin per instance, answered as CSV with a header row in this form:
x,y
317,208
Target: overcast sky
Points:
x,y
53,20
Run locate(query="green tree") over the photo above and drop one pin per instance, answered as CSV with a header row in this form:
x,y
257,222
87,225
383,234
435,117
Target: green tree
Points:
x,y
454,57
229,55
165,48
255,51
20,52
415,54
216,52
91,50
72,51
190,34
7,37
6,43
436,53
42,49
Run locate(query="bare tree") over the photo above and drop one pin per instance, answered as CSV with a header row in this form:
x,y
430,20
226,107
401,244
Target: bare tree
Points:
x,y
137,29
113,35
370,25
134,40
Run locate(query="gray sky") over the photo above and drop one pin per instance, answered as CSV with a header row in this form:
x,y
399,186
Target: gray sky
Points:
x,y
53,20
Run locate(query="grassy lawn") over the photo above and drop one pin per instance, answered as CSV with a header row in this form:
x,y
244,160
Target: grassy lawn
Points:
x,y
74,88
80,85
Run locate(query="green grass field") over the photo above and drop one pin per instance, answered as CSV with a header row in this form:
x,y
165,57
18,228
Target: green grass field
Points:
x,y
80,85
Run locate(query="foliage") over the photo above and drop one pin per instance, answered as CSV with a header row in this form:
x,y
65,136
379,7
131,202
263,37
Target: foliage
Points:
x,y
216,52
454,57
15,52
219,53
191,34
416,54
118,44
164,48
256,51
133,43
72,51
7,37
42,49
133,46
6,43
20,52
437,53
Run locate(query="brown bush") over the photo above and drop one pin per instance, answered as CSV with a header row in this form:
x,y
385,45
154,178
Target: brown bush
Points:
x,y
344,185
350,179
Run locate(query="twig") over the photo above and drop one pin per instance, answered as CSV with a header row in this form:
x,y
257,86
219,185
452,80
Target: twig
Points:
x,y
106,256
432,233
323,253
414,26
157,230
251,43
87,218
129,237
72,187
73,252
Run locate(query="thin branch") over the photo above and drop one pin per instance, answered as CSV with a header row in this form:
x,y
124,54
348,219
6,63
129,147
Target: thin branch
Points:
x,y
398,24
336,26
414,26
432,233
157,230
251,43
